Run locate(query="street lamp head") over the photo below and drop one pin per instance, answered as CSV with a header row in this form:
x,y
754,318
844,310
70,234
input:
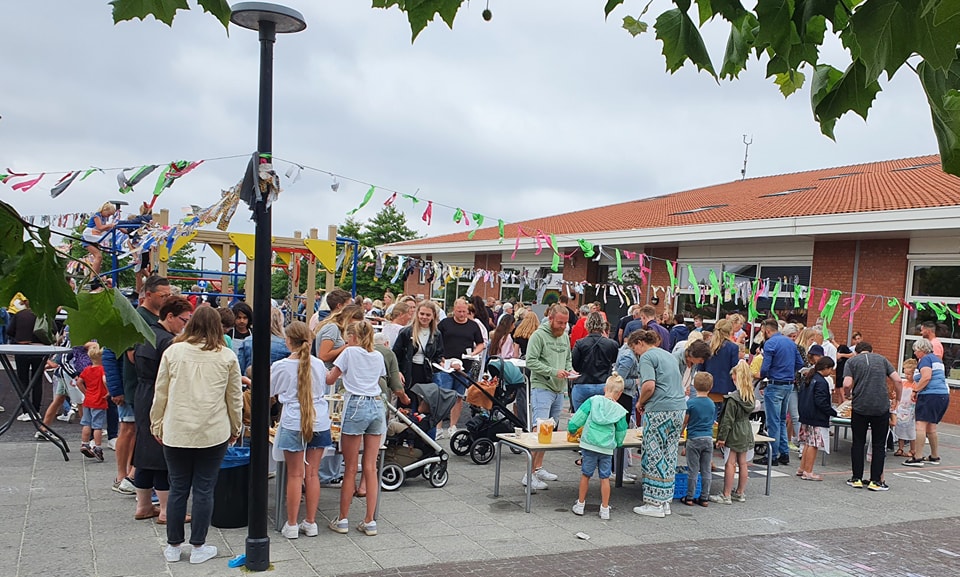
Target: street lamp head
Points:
x,y
250,14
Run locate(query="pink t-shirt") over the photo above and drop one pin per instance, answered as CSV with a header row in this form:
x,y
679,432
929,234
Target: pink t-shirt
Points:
x,y
937,347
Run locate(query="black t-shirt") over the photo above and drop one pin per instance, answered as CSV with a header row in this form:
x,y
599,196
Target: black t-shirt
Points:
x,y
622,326
457,338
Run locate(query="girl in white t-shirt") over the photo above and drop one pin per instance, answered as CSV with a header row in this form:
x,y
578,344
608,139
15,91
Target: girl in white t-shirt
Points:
x,y
359,367
299,381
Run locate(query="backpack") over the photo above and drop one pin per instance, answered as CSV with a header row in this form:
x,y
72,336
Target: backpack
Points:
x,y
42,332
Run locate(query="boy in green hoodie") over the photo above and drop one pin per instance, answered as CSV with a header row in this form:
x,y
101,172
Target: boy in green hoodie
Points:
x,y
602,425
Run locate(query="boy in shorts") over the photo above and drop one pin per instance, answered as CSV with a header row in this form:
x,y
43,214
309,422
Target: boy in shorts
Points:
x,y
93,384
602,425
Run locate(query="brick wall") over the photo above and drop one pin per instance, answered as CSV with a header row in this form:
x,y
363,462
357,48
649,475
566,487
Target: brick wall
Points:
x,y
412,285
658,272
578,269
488,261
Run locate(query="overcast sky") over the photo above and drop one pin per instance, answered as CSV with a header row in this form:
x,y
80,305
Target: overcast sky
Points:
x,y
546,109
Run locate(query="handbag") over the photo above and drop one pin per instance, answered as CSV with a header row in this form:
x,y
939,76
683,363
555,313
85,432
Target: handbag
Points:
x,y
42,333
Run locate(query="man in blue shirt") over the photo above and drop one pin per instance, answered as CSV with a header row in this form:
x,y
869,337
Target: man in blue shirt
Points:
x,y
647,319
781,361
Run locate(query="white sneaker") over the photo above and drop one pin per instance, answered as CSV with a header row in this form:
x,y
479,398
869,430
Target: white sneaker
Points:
x,y
451,431
604,513
172,553
64,418
578,508
202,553
666,508
112,444
629,478
23,417
308,529
290,531
535,483
544,475
2,409
441,433
650,511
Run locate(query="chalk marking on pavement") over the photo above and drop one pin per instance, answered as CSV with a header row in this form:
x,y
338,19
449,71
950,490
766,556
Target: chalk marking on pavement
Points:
x,y
802,544
950,553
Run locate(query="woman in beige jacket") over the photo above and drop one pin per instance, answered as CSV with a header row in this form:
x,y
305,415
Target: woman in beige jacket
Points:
x,y
196,413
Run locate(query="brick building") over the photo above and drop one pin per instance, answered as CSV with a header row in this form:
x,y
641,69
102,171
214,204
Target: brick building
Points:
x,y
882,230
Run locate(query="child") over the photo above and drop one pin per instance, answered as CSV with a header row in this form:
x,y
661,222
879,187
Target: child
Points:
x,y
602,423
906,427
92,383
815,412
699,425
734,433
100,223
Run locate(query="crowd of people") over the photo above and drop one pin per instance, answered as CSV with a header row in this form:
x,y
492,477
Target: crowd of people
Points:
x,y
172,407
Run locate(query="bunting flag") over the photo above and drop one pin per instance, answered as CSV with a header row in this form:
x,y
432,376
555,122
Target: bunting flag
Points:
x,y
500,225
477,218
175,170
752,311
26,185
428,213
715,291
411,198
586,247
363,203
555,263
797,292
126,184
516,245
88,172
940,310
63,183
773,300
831,306
853,307
895,302
4,177
619,265
692,277
823,301
391,200
672,271
645,272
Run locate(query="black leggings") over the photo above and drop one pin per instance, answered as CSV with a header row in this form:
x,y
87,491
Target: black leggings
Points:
x,y
27,367
879,427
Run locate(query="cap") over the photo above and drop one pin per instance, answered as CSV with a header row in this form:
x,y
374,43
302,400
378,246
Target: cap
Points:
x,y
815,350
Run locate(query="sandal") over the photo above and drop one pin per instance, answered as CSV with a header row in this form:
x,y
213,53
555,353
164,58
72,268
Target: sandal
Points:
x,y
687,501
154,512
811,477
578,462
899,453
359,495
799,472
703,501
186,519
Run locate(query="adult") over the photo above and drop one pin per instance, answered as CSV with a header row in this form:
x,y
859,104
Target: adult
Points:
x,y
364,421
525,328
679,331
489,307
399,317
148,461
928,330
20,332
278,343
122,384
931,397
647,319
460,335
724,355
549,362
197,410
594,357
632,312
242,324
865,382
662,406
571,313
388,303
417,347
579,329
781,361
501,341
690,361
299,382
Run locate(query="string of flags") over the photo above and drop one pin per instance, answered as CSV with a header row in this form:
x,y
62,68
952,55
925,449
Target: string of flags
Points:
x,y
260,177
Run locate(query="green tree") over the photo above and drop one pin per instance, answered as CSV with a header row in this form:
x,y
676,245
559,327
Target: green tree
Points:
x,y
879,36
387,226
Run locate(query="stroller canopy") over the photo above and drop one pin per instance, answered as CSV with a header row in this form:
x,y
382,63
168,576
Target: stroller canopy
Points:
x,y
508,373
440,401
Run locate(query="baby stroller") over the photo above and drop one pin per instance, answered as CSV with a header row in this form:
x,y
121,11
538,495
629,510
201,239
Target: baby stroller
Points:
x,y
410,451
489,401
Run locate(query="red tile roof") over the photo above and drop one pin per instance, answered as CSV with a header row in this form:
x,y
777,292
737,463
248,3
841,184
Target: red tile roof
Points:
x,y
906,183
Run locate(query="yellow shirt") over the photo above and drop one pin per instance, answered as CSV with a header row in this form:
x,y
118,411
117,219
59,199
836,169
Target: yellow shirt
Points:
x,y
198,401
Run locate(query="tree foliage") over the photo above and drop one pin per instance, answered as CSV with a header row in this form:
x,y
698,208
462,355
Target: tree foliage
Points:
x,y
880,37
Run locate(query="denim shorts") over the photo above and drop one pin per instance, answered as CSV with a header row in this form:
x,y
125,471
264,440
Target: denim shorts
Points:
x,y
291,441
125,413
93,418
592,461
931,408
364,416
451,382
546,404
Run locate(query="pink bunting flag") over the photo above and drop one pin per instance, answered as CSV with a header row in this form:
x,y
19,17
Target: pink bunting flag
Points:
x,y
10,174
516,245
629,254
391,200
644,269
853,307
28,184
823,300
428,213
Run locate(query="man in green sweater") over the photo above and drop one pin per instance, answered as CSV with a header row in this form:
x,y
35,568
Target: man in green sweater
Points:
x,y
549,363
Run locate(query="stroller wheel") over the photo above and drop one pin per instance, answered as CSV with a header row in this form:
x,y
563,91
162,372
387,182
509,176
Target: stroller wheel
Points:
x,y
391,477
481,451
438,477
460,443
427,471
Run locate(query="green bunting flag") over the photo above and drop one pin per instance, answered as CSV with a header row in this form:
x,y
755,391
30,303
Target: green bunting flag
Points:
x,y
500,225
752,312
673,275
715,289
366,199
941,310
773,300
411,198
797,292
619,266
895,302
692,277
827,313
586,247
478,218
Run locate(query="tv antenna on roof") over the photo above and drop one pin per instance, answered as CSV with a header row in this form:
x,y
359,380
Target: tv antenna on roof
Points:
x,y
746,150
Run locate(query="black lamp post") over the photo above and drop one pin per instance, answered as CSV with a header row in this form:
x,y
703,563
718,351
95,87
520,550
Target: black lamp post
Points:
x,y
268,19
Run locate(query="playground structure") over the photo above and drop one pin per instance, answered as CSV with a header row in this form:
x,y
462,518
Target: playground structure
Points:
x,y
229,245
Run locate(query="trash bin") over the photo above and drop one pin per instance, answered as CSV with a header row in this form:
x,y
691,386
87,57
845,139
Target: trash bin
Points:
x,y
231,496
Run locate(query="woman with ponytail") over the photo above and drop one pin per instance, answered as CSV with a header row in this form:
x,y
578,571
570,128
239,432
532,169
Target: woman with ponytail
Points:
x,y
299,381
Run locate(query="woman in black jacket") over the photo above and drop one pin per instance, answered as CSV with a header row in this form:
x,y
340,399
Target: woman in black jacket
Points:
x,y
594,357
417,347
815,412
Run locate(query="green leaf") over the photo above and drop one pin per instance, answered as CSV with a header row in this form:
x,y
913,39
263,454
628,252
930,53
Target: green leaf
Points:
x,y
731,10
38,274
422,12
886,35
611,4
109,318
854,91
633,26
777,29
739,43
939,35
941,88
11,231
682,41
705,9
219,8
162,10
946,10
789,82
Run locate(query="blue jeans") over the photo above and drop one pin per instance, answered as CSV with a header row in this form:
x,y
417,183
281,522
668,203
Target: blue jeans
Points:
x,y
583,392
776,399
794,409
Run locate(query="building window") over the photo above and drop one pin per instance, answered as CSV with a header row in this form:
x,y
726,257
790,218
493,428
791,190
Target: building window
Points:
x,y
936,283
